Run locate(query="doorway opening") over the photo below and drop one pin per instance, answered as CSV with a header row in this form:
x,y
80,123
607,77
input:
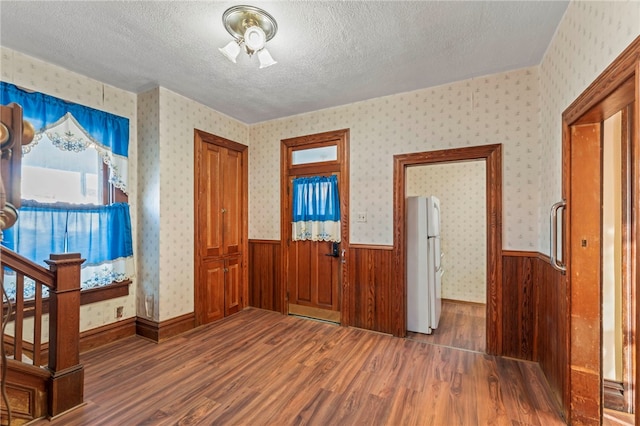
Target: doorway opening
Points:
x,y
460,188
584,128
491,155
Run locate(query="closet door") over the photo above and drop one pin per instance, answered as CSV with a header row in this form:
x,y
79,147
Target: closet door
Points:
x,y
233,280
231,206
220,227
209,201
212,302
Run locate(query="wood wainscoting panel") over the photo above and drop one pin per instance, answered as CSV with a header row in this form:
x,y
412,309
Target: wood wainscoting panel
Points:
x,y
551,348
265,290
518,304
27,390
371,277
535,304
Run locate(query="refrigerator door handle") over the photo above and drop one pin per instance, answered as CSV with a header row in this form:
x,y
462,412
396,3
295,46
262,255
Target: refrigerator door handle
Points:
x,y
553,236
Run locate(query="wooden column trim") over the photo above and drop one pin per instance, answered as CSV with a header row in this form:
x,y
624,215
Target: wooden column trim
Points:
x,y
66,385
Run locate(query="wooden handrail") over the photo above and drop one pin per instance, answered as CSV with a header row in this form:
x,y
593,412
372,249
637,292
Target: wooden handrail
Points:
x,y
66,383
16,262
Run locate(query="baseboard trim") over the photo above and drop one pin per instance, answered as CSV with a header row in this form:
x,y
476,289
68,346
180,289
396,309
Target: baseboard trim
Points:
x,y
159,331
108,333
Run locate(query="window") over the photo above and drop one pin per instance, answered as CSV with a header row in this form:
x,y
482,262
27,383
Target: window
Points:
x,y
51,175
72,172
314,155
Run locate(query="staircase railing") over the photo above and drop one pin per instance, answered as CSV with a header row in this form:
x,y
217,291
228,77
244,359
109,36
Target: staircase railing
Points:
x,y
55,291
16,269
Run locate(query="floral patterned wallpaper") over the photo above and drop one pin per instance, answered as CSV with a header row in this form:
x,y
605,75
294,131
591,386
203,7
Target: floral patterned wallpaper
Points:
x,y
461,189
33,74
181,116
520,109
590,36
168,208
501,108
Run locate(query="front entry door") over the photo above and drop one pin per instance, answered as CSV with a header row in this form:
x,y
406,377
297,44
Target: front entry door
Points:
x,y
314,277
315,281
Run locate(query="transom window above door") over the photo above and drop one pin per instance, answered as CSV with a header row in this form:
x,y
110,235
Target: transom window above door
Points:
x,y
314,155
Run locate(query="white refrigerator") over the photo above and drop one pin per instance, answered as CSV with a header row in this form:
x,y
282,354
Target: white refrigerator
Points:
x,y
424,264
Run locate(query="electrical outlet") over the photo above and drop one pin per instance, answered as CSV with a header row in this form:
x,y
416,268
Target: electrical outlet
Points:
x,y
119,312
361,217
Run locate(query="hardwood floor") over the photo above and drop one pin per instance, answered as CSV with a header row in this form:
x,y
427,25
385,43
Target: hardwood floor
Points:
x,y
462,325
261,368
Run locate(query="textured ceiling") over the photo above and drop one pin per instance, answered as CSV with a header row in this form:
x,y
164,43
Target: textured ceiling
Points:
x,y
329,52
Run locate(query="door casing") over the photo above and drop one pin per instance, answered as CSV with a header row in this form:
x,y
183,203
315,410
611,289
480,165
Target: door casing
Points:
x,y
340,138
492,154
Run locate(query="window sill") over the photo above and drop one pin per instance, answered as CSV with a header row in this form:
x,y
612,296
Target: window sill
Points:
x,y
91,295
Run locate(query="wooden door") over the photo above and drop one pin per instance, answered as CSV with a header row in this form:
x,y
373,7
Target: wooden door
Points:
x,y
315,277
232,285
231,207
220,287
209,201
212,294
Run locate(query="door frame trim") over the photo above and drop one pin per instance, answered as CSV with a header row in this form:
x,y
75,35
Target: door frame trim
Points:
x,y
286,170
492,154
616,87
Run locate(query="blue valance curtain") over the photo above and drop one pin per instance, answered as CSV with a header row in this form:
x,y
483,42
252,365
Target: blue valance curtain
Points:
x,y
74,127
316,209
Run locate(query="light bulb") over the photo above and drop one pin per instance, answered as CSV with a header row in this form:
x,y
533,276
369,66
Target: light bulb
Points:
x,y
254,38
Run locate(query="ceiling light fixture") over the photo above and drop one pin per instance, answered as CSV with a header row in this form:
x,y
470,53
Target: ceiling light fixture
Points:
x,y
251,28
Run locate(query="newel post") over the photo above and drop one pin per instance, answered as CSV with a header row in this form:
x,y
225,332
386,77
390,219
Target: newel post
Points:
x,y
66,385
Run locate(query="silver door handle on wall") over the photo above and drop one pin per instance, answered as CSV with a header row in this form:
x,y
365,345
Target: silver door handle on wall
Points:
x,y
553,236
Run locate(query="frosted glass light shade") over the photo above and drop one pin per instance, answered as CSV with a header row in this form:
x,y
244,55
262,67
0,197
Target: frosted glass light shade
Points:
x,y
265,58
231,51
254,38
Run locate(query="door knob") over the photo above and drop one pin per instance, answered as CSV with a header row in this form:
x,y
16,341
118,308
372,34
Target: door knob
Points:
x,y
334,250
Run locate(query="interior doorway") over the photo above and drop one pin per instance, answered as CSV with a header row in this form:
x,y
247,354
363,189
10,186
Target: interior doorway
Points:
x,y
617,318
492,157
615,90
461,189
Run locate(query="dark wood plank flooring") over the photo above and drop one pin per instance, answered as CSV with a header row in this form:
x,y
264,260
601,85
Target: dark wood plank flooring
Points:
x,y
462,325
261,368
